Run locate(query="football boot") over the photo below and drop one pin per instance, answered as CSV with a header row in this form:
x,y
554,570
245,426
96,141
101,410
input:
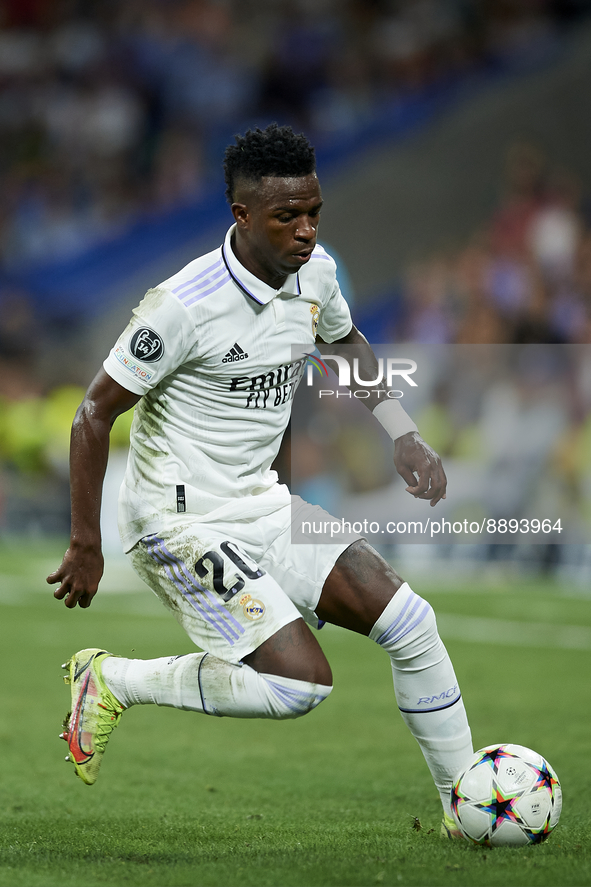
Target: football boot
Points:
x,y
94,713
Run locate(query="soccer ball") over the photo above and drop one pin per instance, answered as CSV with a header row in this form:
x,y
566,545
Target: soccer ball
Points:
x,y
507,795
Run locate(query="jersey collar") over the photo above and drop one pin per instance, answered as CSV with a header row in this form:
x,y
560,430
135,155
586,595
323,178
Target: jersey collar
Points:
x,y
255,288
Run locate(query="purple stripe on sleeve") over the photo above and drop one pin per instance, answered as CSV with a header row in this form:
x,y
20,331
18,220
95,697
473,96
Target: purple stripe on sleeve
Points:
x,y
203,293
203,284
197,277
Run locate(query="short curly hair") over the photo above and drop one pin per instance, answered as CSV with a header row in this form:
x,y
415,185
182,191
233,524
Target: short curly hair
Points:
x,y
274,151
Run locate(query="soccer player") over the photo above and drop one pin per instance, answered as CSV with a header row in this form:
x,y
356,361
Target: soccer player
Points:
x,y
207,361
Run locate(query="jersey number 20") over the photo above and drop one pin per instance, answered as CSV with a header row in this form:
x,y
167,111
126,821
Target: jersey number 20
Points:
x,y
238,558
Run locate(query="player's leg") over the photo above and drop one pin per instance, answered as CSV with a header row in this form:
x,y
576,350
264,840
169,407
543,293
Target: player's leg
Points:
x,y
364,594
264,661
262,685
358,589
292,652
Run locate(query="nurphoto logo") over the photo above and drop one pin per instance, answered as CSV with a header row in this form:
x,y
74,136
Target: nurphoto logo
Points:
x,y
401,368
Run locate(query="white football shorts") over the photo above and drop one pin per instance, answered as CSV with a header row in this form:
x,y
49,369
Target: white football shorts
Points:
x,y
233,584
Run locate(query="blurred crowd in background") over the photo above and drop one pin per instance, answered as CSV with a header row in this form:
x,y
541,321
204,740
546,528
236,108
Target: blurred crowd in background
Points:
x,y
113,110
524,277
110,108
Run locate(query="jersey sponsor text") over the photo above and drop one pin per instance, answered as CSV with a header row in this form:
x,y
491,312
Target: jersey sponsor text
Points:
x,y
272,388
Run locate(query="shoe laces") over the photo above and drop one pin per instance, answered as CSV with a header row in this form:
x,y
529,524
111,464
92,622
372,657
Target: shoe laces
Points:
x,y
107,719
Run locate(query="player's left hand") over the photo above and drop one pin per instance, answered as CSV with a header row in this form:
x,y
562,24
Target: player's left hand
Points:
x,y
420,467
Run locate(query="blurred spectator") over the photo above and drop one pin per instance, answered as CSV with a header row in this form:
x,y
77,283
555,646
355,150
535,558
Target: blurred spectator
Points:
x,y
107,109
178,167
20,341
525,279
430,296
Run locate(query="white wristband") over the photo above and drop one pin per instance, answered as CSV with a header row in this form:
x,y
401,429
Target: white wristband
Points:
x,y
395,420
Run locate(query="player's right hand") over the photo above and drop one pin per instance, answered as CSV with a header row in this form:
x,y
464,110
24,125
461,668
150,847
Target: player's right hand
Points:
x,y
79,576
420,467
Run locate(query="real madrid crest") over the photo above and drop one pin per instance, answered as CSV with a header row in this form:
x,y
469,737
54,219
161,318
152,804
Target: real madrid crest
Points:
x,y
315,312
254,609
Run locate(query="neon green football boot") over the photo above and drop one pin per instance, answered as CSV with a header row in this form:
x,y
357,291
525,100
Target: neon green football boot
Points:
x,y
449,828
94,715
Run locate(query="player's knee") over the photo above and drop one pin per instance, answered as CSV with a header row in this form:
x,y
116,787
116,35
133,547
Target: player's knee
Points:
x,y
322,673
289,698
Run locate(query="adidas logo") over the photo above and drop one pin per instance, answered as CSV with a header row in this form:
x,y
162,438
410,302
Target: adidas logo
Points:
x,y
235,353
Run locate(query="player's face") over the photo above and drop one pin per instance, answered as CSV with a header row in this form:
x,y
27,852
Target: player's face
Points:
x,y
277,223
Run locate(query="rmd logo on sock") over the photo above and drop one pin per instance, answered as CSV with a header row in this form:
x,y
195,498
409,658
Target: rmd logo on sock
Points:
x,y
443,697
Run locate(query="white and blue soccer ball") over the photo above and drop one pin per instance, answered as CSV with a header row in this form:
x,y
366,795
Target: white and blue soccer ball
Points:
x,y
507,795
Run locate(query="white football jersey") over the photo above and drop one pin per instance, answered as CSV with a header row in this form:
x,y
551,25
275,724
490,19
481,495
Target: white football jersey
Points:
x,y
210,350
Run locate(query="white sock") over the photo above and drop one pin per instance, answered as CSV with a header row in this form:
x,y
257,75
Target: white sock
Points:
x,y
426,687
201,682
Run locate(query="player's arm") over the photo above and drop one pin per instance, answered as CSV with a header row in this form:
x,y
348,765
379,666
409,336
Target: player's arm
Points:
x,y
415,461
82,566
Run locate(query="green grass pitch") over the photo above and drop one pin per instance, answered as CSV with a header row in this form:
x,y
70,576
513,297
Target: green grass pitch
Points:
x,y
331,799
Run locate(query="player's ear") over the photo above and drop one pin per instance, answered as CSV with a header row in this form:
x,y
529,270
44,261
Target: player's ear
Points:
x,y
241,214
